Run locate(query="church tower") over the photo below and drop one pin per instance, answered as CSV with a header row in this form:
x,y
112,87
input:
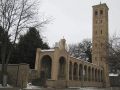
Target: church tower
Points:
x,y
100,39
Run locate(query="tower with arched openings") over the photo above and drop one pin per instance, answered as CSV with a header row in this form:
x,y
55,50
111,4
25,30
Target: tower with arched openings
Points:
x,y
100,49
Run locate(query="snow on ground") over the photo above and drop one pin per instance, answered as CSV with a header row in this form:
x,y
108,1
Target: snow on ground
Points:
x,y
30,86
8,86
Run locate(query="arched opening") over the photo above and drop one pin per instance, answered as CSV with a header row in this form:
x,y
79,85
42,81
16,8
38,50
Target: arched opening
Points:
x,y
46,64
98,75
85,73
62,68
95,74
101,76
92,74
75,71
89,73
70,71
80,72
101,12
96,13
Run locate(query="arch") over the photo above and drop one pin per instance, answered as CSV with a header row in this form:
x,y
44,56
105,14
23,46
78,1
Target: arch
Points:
x,y
46,64
70,70
62,68
101,31
96,12
80,72
75,71
92,74
89,73
101,12
95,74
99,76
85,73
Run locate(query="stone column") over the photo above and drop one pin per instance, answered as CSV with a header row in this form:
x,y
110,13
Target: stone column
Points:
x,y
23,75
54,69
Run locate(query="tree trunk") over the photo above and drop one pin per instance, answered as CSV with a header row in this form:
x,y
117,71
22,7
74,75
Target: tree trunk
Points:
x,y
4,79
4,72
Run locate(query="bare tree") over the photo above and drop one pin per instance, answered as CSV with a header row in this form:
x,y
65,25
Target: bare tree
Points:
x,y
16,16
81,50
114,53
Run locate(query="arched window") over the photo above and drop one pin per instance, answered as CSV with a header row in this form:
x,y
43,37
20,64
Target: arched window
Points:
x,y
89,74
96,13
70,71
62,68
46,64
98,75
80,72
95,74
101,31
101,76
101,12
85,73
75,71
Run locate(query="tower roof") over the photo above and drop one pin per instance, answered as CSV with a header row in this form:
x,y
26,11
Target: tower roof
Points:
x,y
101,5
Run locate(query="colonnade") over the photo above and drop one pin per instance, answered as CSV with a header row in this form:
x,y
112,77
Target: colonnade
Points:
x,y
85,72
77,70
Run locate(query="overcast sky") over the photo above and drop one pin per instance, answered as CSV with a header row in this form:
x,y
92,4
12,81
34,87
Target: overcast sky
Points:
x,y
73,19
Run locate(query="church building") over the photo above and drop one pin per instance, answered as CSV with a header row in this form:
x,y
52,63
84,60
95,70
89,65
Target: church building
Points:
x,y
63,70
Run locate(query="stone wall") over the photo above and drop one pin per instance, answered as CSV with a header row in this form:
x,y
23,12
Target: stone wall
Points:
x,y
33,74
115,81
12,74
73,83
17,74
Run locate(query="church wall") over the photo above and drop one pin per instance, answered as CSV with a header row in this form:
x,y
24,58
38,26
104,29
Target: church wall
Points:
x,y
86,80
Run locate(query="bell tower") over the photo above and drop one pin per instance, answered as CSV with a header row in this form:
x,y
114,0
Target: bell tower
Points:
x,y
100,39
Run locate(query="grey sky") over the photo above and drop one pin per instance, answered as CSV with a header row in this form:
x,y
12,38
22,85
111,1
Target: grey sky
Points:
x,y
73,19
